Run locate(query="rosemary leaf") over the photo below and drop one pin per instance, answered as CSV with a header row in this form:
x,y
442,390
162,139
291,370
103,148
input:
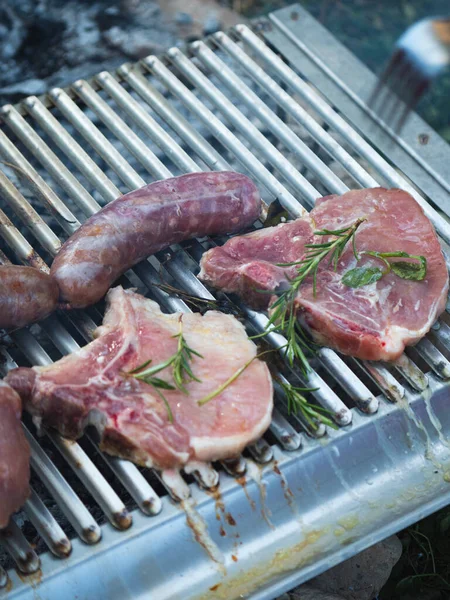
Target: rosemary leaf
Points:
x,y
141,372
167,405
140,367
297,403
159,383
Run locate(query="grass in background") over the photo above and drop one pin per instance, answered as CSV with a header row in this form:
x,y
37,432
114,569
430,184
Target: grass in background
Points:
x,y
423,571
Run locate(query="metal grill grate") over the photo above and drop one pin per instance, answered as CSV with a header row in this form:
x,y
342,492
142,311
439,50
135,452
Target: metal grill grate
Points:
x,y
228,102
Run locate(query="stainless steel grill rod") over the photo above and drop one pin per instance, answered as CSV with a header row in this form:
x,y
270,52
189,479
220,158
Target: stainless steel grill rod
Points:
x,y
129,139
70,504
223,135
293,108
51,163
32,178
252,133
153,98
249,98
22,553
47,527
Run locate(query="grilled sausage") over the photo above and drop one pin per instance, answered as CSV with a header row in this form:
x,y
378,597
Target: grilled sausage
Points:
x,y
144,221
14,455
26,295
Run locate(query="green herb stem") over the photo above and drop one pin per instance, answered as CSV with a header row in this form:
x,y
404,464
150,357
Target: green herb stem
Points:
x,y
282,318
381,256
233,377
166,403
141,372
297,403
181,370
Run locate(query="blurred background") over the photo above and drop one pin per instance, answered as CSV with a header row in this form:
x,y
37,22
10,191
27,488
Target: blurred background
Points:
x,y
370,28
44,43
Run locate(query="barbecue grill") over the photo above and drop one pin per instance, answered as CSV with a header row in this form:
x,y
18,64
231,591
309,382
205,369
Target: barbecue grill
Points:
x,y
283,101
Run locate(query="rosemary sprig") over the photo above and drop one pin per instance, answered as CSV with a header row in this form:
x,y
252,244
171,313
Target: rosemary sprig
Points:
x,y
182,373
181,370
297,403
282,318
316,253
233,377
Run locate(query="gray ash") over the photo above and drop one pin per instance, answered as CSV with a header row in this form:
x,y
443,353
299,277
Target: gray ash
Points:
x,y
52,43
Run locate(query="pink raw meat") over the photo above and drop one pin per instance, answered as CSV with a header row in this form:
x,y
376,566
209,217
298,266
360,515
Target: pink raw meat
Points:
x,y
373,322
14,455
91,386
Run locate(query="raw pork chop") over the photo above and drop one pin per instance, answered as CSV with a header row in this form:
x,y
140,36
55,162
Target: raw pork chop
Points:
x,y
90,386
373,322
14,455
